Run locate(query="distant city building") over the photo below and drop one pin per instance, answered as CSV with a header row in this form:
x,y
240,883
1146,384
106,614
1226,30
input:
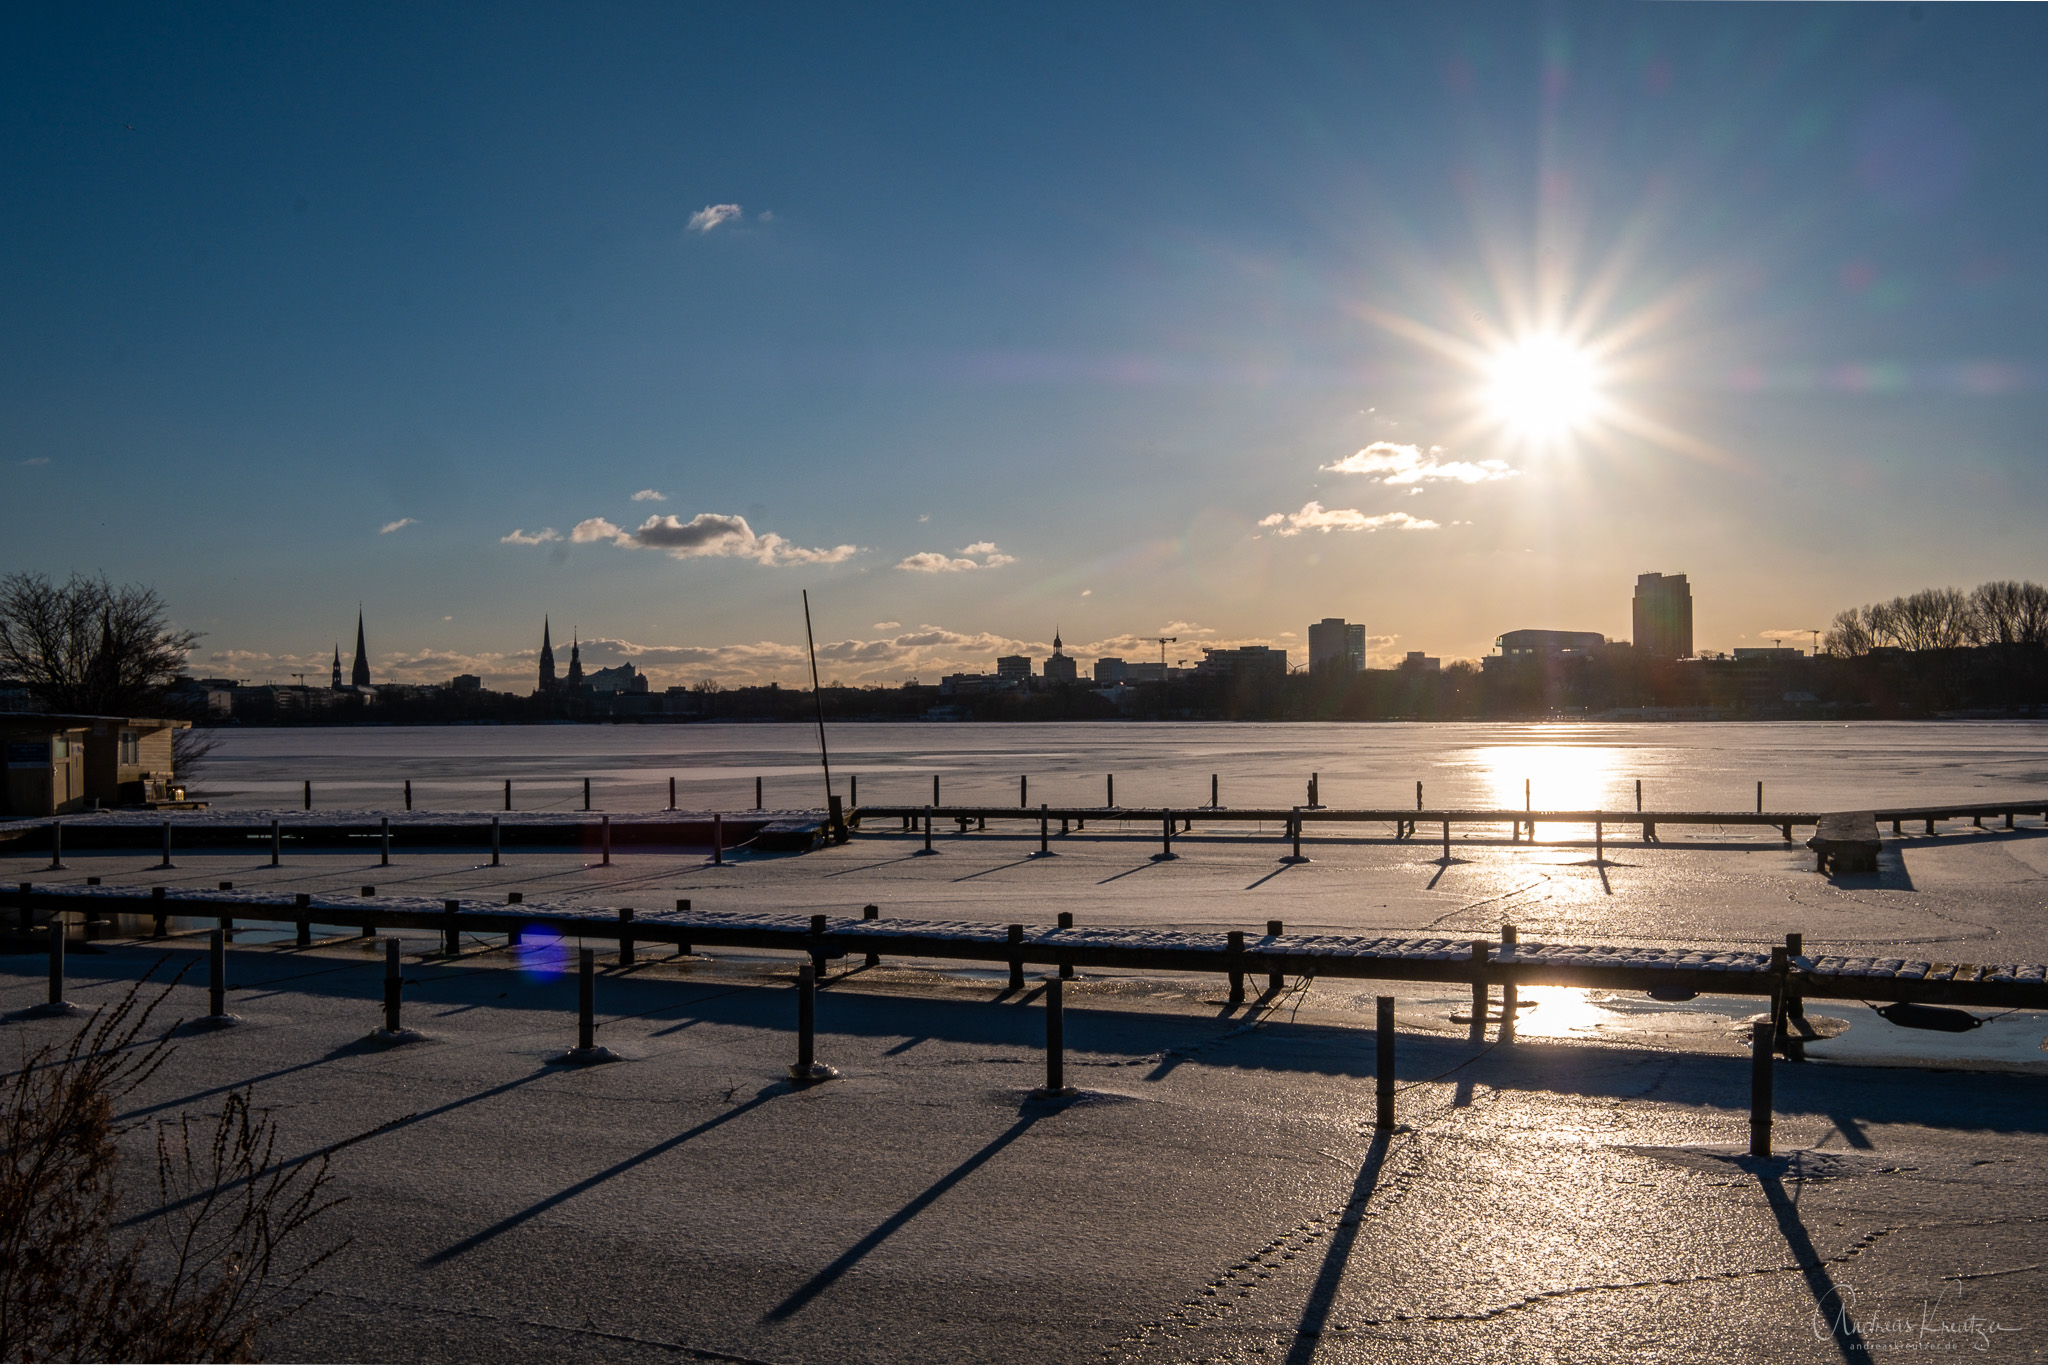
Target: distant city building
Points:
x,y
575,679
1778,654
966,684
1256,662
1420,662
1332,643
1059,668
1148,672
613,680
547,660
337,666
1109,672
1547,642
359,676
1014,668
1663,616
465,682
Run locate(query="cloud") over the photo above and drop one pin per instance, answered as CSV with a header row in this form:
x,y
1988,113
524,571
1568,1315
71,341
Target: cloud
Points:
x,y
1399,464
887,625
540,537
388,527
716,534
649,495
1315,517
931,561
711,215
593,529
31,464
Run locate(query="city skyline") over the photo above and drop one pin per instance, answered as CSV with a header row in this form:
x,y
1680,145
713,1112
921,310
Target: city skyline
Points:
x,y
1175,323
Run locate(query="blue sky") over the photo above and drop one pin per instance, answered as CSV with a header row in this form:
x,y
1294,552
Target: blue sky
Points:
x,y
1132,320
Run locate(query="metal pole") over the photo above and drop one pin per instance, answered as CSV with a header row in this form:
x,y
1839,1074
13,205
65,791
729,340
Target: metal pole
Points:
x,y
1294,823
1110,801
1639,796
1479,982
1795,946
818,923
451,928
1418,796
217,983
1759,798
1383,1069
1447,840
1066,921
384,840
586,999
1599,842
1055,1039
853,790
394,983
305,938
935,789
818,695
1760,1089
1215,802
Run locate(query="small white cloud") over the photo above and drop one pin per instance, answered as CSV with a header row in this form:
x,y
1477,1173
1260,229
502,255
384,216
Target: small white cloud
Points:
x,y
888,625
926,517
1315,517
388,527
711,215
930,561
649,495
44,459
540,537
1399,464
593,529
1087,592
447,618
979,547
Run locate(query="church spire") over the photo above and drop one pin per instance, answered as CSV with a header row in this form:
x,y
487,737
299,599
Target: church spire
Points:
x,y
359,676
547,658
337,666
575,662
1055,639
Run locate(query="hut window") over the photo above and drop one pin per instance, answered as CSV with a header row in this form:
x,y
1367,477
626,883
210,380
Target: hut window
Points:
x,y
131,748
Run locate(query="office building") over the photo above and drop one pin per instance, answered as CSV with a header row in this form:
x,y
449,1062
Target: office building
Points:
x,y
1334,643
1663,616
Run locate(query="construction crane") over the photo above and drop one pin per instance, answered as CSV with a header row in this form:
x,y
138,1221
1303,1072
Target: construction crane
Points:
x,y
1164,641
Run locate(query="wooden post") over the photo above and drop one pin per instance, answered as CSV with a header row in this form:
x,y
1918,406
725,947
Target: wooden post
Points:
x,y
394,984
1215,803
1166,816
1066,921
1639,795
928,829
56,933
717,839
1044,829
167,846
160,922
818,946
451,928
1447,841
1479,981
757,793
1024,792
605,834
1235,942
494,841
671,791
1314,800
309,793
586,999
1016,957
1510,993
217,974
1055,1039
1760,1089
276,845
303,902
1383,1068
1274,979
806,1023
56,846
408,793
1110,798
872,912
1759,798
383,841
508,793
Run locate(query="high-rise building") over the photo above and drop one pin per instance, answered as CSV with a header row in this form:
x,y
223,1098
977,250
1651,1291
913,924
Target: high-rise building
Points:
x,y
1334,644
1059,668
1014,668
547,660
359,676
1663,616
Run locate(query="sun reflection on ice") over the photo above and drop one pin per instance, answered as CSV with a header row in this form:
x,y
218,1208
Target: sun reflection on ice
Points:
x,y
1560,1012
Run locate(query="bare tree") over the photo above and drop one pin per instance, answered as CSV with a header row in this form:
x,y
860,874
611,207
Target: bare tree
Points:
x,y
88,647
2010,613
215,1265
1848,637
1933,618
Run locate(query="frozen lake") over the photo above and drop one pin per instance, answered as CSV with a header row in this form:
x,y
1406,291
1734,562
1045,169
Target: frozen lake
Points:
x,y
1706,766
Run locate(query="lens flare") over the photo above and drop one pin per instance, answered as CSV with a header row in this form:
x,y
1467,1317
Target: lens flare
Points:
x,y
1542,388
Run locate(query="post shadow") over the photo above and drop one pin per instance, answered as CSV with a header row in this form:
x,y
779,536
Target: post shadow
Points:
x,y
1828,1304
534,1210
895,1222
1322,1296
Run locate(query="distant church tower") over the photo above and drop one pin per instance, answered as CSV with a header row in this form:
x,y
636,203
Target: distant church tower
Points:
x,y
359,676
575,663
1059,668
547,659
337,666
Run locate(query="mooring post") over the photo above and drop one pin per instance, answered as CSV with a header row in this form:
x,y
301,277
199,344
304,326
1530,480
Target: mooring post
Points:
x,y
217,977
935,789
757,793
604,833
671,792
1215,801
1930,824
1066,921
717,839
1510,993
451,928
1044,829
1055,1039
1759,798
818,946
1294,828
1166,817
872,912
1024,792
494,841
853,790
408,793
1016,936
683,908
1234,946
167,845
309,793
1795,1005
383,841
56,931
1639,796
1479,981
1274,980
276,845
1528,808
160,926
1109,799
928,829
806,1023
1781,970
394,985
303,901
508,793
625,937
586,794
1313,801
1383,1064
586,999
1760,1089
56,846
1599,842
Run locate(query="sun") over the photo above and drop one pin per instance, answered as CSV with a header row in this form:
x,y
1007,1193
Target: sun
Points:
x,y
1542,388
